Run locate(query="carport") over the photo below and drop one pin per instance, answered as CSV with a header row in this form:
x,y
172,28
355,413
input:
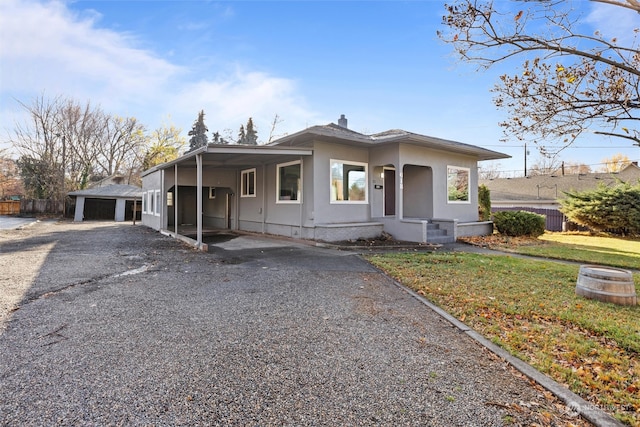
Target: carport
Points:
x,y
203,190
118,202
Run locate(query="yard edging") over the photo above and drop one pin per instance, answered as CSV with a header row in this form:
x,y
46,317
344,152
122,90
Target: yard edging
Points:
x,y
575,403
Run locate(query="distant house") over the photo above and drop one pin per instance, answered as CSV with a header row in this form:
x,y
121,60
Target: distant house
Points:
x,y
542,193
108,200
324,183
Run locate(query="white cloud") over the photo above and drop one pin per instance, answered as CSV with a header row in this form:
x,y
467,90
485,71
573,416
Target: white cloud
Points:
x,y
614,22
48,49
231,99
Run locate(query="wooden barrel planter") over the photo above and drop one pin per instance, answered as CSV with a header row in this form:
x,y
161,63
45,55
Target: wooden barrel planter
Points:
x,y
606,284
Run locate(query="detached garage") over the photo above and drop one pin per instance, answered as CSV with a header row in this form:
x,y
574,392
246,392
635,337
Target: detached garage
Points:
x,y
117,202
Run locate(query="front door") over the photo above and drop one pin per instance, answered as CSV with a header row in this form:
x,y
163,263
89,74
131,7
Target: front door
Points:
x,y
389,192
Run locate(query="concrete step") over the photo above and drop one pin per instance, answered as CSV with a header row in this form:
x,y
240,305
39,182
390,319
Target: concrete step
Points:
x,y
436,235
436,232
439,239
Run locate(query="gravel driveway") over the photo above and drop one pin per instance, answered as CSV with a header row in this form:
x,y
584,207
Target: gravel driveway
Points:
x,y
114,324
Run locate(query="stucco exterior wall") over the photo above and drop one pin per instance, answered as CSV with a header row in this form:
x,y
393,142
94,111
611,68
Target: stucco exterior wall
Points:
x,y
120,207
337,212
289,213
151,183
79,213
379,158
438,162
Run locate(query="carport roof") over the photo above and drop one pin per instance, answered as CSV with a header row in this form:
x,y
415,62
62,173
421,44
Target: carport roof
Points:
x,y
113,191
222,155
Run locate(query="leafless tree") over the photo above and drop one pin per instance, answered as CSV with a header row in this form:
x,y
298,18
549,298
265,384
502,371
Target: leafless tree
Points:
x,y
64,143
575,168
122,140
272,133
569,83
489,170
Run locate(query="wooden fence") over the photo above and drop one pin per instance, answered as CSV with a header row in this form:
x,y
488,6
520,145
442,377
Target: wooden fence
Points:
x,y
40,206
10,207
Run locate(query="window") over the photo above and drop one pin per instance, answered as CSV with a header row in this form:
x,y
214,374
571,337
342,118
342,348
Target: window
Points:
x,y
144,202
457,184
169,198
248,178
157,203
150,204
289,182
348,182
212,192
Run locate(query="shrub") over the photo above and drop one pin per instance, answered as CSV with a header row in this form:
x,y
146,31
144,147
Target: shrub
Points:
x,y
484,203
519,223
605,208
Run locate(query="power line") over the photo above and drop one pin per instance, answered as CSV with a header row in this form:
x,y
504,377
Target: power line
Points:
x,y
508,171
570,147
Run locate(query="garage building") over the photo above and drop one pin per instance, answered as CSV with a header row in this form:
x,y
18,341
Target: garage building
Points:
x,y
111,202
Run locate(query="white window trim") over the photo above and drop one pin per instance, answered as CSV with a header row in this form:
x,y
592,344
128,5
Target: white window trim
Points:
x,y
242,175
145,202
366,183
150,202
288,202
157,203
458,202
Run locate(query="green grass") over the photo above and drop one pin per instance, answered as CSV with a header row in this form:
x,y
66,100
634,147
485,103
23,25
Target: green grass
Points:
x,y
530,308
580,247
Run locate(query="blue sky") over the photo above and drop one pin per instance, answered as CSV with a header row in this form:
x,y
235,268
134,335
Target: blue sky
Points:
x,y
378,62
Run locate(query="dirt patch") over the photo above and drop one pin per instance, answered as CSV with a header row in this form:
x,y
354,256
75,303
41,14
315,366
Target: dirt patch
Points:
x,y
497,241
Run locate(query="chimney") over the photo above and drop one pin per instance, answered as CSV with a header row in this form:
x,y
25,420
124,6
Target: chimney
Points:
x,y
342,121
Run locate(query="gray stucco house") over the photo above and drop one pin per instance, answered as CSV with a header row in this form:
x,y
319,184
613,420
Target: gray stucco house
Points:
x,y
325,183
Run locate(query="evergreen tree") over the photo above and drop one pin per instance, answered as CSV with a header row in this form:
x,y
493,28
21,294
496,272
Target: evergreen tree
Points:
x,y
251,136
484,203
605,208
198,133
242,136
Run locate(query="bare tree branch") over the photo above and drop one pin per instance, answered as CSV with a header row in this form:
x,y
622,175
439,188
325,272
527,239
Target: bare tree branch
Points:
x,y
569,82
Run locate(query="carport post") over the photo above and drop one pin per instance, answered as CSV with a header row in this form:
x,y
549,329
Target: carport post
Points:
x,y
199,199
175,197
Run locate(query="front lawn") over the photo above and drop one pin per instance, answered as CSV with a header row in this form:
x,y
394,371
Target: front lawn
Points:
x,y
529,307
580,247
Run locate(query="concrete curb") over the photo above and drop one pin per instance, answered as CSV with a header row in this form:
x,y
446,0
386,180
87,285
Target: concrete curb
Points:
x,y
575,404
